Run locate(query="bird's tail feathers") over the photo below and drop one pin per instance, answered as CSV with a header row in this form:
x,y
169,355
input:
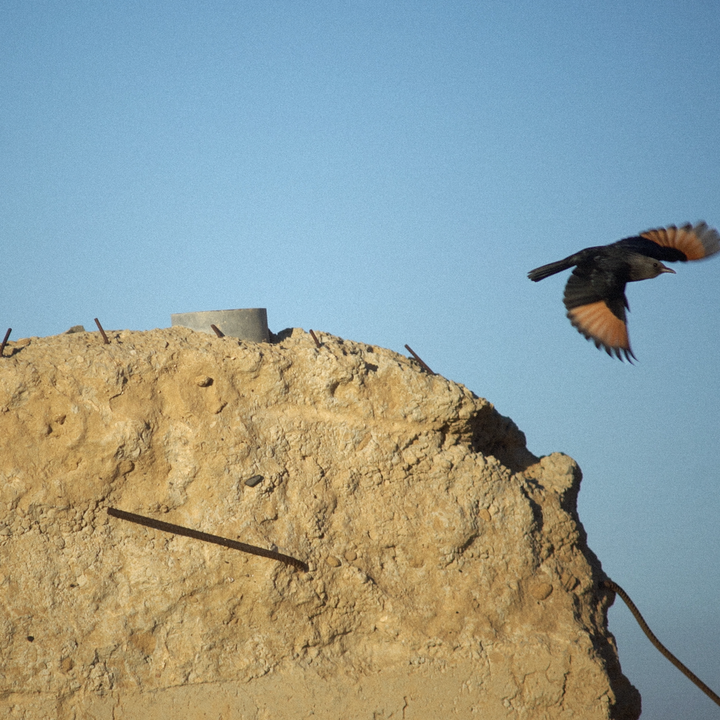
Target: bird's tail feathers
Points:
x,y
550,269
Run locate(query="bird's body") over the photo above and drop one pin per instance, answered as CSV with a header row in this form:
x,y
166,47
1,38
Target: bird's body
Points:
x,y
595,292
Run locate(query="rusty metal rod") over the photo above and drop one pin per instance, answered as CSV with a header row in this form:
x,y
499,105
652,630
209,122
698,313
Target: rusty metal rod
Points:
x,y
419,359
217,331
314,337
206,537
4,342
102,332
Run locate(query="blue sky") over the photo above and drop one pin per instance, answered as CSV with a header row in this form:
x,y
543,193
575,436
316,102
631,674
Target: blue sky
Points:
x,y
389,173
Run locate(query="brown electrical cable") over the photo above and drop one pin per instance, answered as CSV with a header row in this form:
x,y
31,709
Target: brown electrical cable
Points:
x,y
610,585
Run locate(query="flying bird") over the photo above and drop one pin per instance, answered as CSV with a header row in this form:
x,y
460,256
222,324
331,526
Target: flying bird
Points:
x,y
595,292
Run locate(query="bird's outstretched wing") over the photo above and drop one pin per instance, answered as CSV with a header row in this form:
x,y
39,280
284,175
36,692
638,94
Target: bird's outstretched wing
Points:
x,y
598,323
674,244
596,307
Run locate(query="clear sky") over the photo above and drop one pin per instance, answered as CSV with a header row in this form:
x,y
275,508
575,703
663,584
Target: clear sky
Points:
x,y
389,172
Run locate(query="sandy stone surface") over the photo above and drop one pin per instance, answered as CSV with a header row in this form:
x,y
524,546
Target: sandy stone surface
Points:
x,y
449,574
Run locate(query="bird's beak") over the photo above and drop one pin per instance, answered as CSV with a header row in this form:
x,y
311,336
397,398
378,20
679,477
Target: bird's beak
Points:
x,y
665,268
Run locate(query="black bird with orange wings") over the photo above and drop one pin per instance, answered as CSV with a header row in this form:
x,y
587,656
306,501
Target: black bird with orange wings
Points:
x,y
595,292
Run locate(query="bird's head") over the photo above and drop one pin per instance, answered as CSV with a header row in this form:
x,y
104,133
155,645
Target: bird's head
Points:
x,y
643,267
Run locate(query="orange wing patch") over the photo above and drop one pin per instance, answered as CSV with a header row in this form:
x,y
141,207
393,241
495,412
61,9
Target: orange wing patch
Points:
x,y
696,242
598,323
